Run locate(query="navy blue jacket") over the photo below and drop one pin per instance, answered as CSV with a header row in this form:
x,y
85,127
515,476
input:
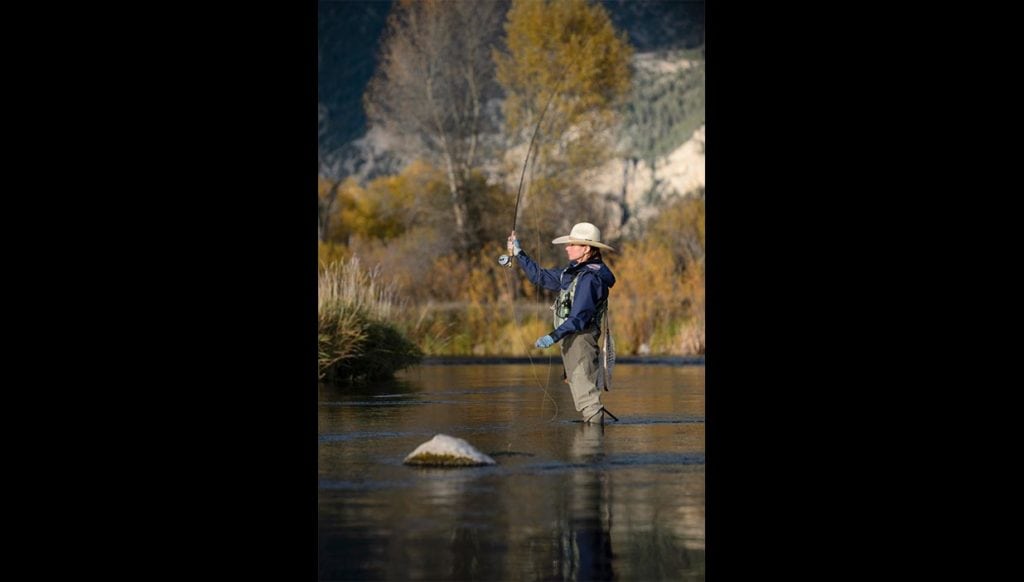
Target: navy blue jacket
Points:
x,y
595,280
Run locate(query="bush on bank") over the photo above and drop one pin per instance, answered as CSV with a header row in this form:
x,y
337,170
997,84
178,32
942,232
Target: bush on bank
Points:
x,y
355,337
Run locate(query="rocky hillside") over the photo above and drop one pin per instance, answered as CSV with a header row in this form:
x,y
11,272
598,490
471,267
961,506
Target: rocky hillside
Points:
x,y
662,141
634,189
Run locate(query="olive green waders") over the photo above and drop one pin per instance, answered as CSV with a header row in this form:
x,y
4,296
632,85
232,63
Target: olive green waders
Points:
x,y
580,358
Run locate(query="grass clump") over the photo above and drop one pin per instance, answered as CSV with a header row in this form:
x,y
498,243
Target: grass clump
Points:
x,y
356,339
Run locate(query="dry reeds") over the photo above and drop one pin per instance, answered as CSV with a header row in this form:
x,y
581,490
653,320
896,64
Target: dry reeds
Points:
x,y
355,335
347,283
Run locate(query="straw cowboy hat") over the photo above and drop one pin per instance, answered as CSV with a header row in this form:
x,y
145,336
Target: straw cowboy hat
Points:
x,y
583,233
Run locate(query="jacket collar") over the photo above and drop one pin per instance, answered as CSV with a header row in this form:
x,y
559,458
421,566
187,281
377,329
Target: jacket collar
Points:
x,y
593,261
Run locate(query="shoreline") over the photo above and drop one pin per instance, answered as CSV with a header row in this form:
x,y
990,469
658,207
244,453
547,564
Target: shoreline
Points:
x,y
476,360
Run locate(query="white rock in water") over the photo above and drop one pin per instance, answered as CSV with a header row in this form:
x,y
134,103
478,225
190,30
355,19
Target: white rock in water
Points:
x,y
443,450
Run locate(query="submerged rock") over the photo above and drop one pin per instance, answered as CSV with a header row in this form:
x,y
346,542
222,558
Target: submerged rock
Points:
x,y
446,451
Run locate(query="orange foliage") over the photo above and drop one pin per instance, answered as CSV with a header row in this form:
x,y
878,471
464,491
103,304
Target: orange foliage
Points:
x,y
647,294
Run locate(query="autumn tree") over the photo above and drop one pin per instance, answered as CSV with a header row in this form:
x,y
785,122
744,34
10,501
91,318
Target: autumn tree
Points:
x,y
562,60
661,281
432,87
330,183
330,200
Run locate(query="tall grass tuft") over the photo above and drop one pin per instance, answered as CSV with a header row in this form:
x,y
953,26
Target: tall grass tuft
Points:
x,y
347,283
356,335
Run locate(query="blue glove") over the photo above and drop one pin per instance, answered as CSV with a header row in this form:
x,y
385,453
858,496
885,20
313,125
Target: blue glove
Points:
x,y
544,342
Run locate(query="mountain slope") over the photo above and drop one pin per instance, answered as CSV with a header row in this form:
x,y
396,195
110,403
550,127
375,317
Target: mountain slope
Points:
x,y
348,34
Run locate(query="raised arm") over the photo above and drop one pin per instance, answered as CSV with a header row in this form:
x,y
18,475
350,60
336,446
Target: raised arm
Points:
x,y
546,278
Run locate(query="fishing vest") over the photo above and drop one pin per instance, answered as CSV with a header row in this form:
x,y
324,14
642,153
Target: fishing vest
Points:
x,y
563,305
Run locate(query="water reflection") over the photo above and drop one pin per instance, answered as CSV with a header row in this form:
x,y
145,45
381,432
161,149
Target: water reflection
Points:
x,y
567,501
591,521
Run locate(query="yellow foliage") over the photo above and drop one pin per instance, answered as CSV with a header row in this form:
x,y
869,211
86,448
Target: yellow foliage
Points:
x,y
691,229
565,70
476,307
387,207
681,226
461,305
328,253
402,201
648,294
324,187
365,213
465,329
332,198
568,47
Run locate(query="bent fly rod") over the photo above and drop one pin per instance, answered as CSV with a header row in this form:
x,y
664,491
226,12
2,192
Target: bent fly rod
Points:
x,y
506,260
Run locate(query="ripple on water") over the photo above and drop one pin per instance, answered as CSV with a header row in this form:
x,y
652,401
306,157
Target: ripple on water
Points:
x,y
337,438
333,403
608,461
644,421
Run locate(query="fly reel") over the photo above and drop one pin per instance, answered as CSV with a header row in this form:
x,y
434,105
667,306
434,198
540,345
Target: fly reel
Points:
x,y
505,261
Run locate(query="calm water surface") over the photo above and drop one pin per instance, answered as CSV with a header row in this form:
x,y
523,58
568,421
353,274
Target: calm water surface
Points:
x,y
566,501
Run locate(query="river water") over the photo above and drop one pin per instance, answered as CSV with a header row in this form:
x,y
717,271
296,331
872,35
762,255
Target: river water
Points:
x,y
566,501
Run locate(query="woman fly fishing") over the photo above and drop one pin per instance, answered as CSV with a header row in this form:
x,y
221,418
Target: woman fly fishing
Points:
x,y
580,314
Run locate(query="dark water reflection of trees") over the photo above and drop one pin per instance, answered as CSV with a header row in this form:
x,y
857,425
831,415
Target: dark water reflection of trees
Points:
x,y
566,501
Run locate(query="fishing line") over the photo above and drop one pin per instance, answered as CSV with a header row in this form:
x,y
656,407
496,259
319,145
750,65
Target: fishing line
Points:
x,y
506,260
533,366
512,284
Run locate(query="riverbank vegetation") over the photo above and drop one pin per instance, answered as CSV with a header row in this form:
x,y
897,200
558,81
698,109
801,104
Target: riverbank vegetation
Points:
x,y
356,335
455,306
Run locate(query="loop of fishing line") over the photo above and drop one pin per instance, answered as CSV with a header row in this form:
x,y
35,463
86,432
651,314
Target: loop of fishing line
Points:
x,y
506,260
533,367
